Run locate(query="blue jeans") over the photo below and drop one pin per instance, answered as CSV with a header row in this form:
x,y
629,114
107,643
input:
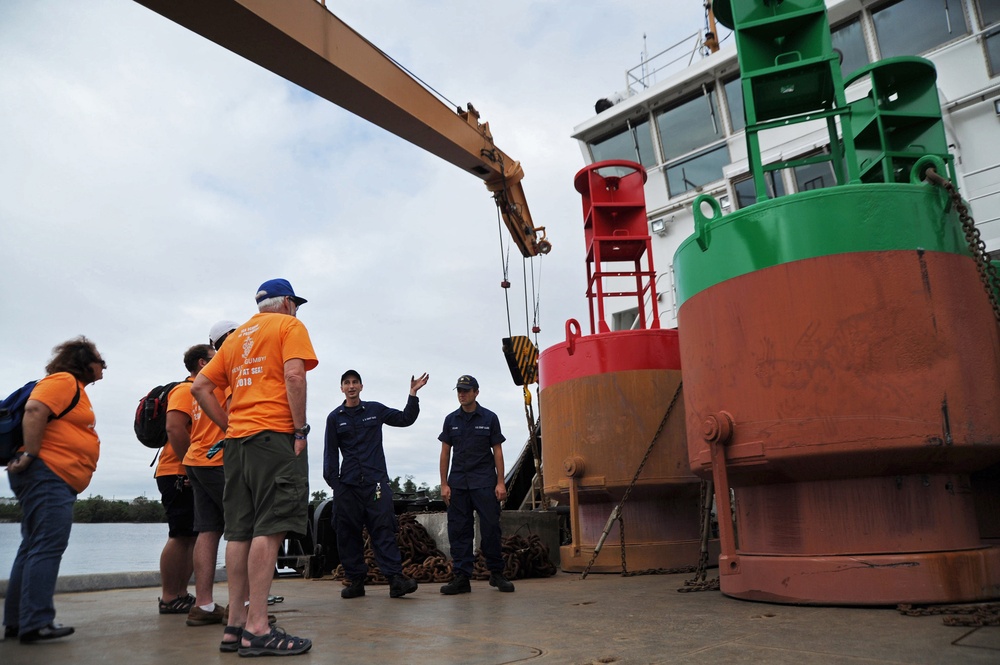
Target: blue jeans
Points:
x,y
47,503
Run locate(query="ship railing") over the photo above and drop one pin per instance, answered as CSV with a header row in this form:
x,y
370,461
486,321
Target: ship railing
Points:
x,y
671,60
984,211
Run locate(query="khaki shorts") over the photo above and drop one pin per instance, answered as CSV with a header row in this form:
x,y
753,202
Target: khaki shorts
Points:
x,y
267,486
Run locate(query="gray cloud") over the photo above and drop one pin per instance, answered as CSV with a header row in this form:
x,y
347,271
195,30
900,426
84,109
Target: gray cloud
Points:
x,y
150,180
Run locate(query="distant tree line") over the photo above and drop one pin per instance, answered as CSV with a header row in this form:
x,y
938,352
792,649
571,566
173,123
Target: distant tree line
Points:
x,y
407,486
97,509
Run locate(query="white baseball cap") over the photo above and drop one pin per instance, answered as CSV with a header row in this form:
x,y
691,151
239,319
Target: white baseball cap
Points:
x,y
219,330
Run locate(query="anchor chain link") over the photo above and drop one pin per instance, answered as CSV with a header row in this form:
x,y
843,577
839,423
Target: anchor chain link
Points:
x,y
987,272
698,582
424,562
972,614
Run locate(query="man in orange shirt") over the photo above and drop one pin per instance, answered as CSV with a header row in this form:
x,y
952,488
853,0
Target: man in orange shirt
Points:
x,y
204,469
177,557
264,364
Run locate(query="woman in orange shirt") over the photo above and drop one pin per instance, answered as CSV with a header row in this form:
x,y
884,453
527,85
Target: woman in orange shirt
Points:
x,y
56,463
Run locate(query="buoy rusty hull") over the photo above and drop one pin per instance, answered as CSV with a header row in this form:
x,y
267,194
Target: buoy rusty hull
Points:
x,y
858,392
602,399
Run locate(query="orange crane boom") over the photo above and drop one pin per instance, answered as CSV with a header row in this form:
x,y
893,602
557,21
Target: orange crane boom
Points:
x,y
303,42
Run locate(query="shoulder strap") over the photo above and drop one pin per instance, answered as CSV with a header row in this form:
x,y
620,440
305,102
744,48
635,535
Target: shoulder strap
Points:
x,y
72,405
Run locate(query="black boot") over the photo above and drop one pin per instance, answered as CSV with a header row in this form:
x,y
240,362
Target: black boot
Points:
x,y
501,582
458,585
400,586
357,588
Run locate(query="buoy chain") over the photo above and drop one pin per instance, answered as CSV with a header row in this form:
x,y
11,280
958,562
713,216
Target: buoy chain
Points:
x,y
987,273
424,562
972,614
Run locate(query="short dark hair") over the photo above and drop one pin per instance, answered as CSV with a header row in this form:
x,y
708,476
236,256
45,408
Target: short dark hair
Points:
x,y
196,353
350,372
75,356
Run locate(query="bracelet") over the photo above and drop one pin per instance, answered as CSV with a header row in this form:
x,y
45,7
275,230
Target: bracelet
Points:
x,y
27,454
300,437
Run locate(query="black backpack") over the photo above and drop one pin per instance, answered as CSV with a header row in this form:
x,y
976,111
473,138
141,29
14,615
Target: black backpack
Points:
x,y
11,415
151,416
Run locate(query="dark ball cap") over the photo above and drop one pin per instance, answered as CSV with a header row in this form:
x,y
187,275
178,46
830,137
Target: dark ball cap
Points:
x,y
349,373
467,382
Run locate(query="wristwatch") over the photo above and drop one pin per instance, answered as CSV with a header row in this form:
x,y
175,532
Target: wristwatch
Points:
x,y
302,432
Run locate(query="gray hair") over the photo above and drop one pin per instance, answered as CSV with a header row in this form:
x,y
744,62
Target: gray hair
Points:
x,y
271,304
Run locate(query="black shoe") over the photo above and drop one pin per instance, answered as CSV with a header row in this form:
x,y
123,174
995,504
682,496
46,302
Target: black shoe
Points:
x,y
10,632
501,582
49,632
458,585
357,588
400,586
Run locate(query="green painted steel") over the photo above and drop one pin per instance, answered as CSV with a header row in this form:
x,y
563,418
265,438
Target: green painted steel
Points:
x,y
836,220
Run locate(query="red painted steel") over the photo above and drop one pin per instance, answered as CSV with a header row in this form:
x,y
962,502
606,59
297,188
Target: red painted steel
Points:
x,y
602,399
615,232
846,399
620,351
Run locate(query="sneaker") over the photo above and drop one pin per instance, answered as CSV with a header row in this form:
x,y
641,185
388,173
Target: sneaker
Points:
x,y
354,590
400,586
501,582
179,605
10,632
199,617
458,585
49,632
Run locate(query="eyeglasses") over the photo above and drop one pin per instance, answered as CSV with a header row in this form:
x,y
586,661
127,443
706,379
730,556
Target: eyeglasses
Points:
x,y
100,362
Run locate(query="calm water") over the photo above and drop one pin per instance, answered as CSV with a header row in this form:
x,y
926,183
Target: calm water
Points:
x,y
100,548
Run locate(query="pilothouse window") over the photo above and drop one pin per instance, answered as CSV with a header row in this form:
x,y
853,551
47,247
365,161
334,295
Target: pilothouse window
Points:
x,y
989,11
913,27
849,40
734,98
690,127
632,142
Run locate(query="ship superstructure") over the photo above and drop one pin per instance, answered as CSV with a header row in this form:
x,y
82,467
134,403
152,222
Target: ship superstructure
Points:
x,y
681,116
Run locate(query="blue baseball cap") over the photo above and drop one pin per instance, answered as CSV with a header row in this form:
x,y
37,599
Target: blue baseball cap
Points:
x,y
274,288
466,382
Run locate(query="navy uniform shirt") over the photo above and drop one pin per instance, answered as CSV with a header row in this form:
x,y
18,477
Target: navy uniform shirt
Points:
x,y
472,437
356,432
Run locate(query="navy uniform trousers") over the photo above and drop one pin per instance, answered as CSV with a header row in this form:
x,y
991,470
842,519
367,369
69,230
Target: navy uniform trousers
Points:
x,y
354,508
461,528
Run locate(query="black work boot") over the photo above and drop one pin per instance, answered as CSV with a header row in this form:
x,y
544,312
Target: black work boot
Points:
x,y
458,585
356,588
400,586
501,582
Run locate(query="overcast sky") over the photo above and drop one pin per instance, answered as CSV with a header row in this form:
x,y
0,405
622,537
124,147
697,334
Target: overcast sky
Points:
x,y
151,180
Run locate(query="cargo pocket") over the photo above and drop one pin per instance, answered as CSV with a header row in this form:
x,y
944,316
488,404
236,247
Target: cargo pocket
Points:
x,y
290,494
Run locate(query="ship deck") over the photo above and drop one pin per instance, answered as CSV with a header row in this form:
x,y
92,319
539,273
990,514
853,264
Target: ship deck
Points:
x,y
562,619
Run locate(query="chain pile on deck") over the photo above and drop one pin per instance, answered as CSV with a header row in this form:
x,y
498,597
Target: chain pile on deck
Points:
x,y
424,562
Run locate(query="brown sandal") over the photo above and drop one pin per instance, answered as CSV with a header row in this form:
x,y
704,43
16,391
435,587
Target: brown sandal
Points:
x,y
179,605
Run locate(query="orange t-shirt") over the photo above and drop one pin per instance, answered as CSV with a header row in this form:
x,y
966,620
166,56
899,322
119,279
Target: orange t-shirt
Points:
x,y
179,399
205,434
70,445
251,363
